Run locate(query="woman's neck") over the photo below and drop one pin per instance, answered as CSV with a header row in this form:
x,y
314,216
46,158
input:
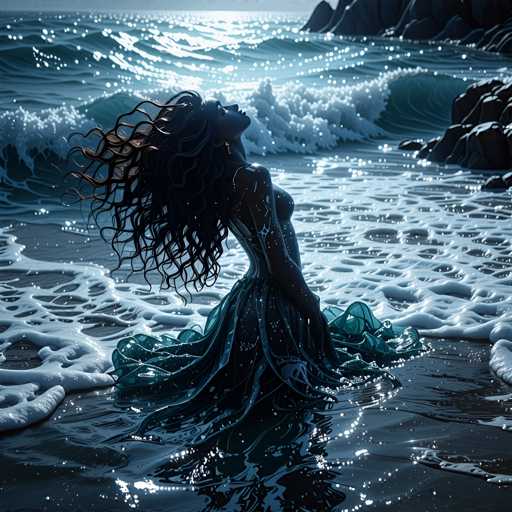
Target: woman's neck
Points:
x,y
237,155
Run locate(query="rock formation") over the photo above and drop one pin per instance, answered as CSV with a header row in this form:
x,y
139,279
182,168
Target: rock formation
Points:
x,y
486,24
320,17
498,183
481,134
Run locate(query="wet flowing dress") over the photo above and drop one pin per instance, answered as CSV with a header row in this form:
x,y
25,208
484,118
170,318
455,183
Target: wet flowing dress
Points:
x,y
255,344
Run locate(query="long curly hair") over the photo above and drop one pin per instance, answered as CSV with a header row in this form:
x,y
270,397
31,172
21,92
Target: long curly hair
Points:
x,y
161,180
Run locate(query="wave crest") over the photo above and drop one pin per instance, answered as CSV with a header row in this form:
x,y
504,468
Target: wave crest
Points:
x,y
289,118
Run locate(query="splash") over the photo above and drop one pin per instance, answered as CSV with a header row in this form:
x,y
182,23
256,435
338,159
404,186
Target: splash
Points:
x,y
291,118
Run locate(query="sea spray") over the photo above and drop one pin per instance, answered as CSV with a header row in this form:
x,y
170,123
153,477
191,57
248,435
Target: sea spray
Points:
x,y
289,118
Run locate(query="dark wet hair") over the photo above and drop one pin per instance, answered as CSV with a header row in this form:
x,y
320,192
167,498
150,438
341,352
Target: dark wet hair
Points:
x,y
161,181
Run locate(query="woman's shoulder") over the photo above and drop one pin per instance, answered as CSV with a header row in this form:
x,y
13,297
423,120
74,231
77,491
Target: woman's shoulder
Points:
x,y
251,178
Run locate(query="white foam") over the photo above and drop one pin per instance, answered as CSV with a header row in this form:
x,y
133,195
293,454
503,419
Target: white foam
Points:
x,y
432,458
499,398
70,360
501,359
48,129
296,118
29,406
499,422
286,118
420,248
53,306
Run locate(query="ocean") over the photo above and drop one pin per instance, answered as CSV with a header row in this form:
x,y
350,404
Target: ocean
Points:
x,y
420,243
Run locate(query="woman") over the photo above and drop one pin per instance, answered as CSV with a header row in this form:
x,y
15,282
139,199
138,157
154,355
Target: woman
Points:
x,y
175,184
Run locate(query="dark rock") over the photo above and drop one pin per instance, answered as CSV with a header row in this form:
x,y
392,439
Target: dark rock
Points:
x,y
411,145
465,103
489,13
495,184
481,133
487,148
367,17
487,37
482,22
390,11
457,28
474,115
443,10
504,93
427,148
499,36
466,13
507,178
505,43
491,108
437,11
506,115
360,19
498,183
473,37
459,151
446,145
507,130
337,14
320,17
425,28
484,138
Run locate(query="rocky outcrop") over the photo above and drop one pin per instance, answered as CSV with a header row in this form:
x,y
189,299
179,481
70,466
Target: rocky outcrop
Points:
x,y
336,15
498,183
486,24
367,17
481,134
320,17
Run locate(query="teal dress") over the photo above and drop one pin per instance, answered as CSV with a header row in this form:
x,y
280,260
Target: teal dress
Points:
x,y
255,347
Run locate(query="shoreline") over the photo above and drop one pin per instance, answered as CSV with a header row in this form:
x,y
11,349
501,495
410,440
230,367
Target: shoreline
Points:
x,y
447,408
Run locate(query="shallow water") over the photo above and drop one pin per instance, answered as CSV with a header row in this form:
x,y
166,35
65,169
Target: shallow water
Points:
x,y
420,243
436,255
379,449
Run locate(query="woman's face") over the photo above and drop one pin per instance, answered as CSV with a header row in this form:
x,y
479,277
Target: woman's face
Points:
x,y
230,121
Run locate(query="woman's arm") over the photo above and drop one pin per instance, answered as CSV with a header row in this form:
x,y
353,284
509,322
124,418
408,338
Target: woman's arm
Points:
x,y
290,239
256,185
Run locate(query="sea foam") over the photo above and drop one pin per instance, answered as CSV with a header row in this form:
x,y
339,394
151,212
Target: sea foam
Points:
x,y
421,248
501,359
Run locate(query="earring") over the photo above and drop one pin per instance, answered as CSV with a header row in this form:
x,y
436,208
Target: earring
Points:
x,y
228,147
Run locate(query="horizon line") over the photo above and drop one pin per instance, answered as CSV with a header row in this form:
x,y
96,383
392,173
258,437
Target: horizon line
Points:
x,y
52,9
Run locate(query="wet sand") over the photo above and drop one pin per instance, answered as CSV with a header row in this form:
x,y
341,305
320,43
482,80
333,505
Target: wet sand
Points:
x,y
379,450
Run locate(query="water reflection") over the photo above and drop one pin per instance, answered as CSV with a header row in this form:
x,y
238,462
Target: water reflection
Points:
x,y
281,457
274,461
